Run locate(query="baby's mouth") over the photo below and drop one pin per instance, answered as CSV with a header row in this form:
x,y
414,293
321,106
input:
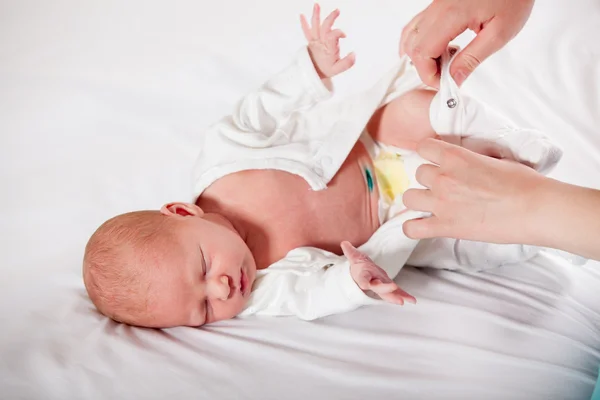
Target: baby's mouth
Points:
x,y
243,282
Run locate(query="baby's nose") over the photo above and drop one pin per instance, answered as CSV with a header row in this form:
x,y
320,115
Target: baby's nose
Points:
x,y
221,287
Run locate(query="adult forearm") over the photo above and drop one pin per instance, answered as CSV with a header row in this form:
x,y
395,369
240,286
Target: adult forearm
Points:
x,y
568,218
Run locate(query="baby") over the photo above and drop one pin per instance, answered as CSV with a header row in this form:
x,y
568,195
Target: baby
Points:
x,y
264,236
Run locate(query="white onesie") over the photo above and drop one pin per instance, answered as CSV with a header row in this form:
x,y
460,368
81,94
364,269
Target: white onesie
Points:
x,y
287,125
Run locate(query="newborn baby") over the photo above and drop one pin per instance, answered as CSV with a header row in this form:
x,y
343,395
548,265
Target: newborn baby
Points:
x,y
286,187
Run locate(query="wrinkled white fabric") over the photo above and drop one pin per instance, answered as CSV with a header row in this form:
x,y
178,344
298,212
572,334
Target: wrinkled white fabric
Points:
x,y
284,125
97,121
310,283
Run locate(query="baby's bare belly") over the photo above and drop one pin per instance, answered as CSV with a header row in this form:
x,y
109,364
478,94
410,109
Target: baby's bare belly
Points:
x,y
279,212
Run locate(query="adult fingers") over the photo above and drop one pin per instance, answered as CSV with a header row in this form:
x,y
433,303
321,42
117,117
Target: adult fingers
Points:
x,y
424,228
447,155
419,200
432,150
427,68
408,31
426,174
488,41
430,37
436,34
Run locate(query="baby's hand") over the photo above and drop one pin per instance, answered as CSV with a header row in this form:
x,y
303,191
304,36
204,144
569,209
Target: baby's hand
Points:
x,y
324,46
368,276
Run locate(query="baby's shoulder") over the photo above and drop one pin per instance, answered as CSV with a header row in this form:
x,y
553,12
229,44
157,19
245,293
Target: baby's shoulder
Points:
x,y
263,189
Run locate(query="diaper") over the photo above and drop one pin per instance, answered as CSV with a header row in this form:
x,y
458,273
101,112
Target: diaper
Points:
x,y
394,173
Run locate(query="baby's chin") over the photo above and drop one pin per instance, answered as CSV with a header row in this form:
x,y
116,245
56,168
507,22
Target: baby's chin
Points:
x,y
239,308
232,311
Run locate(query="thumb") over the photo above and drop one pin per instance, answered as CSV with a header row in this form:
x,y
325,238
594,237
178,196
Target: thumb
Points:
x,y
352,253
488,41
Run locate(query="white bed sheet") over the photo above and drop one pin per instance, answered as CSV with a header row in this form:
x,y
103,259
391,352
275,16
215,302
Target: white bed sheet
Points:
x,y
102,105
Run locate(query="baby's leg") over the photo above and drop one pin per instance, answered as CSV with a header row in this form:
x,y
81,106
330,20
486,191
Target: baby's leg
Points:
x,y
404,121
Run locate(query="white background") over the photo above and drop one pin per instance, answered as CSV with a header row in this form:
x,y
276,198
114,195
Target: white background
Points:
x,y
102,108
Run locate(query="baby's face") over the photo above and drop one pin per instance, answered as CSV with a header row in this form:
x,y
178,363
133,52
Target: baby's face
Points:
x,y
211,280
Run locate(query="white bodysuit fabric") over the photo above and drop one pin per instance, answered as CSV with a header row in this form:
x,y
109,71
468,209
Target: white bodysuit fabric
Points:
x,y
287,125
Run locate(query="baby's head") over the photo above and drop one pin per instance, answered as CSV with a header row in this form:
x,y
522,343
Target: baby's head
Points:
x,y
177,266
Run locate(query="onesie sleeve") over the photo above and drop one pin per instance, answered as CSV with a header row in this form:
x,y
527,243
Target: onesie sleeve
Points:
x,y
295,88
308,283
311,283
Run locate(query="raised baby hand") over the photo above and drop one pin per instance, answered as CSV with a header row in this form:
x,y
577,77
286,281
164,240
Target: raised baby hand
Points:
x,y
324,44
369,276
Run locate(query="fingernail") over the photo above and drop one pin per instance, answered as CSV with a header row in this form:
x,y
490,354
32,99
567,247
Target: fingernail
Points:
x,y
411,300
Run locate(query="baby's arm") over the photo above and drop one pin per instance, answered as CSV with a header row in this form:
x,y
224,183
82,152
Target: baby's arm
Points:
x,y
323,44
311,283
301,85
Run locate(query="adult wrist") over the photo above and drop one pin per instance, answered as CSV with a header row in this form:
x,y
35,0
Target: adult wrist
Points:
x,y
546,203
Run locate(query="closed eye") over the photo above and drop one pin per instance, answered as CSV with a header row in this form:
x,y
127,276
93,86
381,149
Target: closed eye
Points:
x,y
203,259
204,272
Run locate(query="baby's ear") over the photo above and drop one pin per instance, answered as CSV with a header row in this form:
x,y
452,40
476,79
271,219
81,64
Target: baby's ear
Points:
x,y
183,209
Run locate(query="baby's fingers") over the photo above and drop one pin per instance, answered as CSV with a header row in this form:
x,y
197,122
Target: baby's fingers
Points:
x,y
334,36
344,64
329,21
305,28
316,21
398,297
353,255
392,293
382,288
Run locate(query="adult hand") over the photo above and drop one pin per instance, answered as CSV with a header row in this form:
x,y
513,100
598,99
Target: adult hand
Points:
x,y
474,197
428,34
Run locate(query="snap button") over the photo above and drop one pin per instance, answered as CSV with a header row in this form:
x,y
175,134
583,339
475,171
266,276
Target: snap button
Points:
x,y
451,103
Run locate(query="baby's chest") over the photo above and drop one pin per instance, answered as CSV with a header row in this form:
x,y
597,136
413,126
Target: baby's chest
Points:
x,y
283,213
302,217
